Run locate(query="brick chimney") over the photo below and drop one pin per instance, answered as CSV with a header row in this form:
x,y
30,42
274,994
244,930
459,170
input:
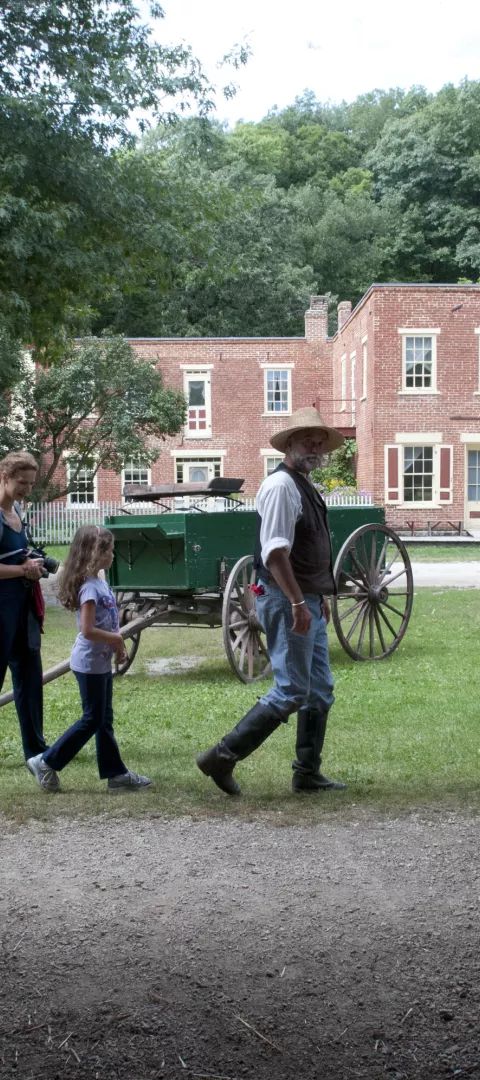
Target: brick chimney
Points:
x,y
344,311
316,319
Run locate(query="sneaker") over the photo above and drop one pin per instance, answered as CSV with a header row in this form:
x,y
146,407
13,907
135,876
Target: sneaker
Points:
x,y
128,781
44,775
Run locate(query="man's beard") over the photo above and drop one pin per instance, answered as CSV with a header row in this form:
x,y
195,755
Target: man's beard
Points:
x,y
307,462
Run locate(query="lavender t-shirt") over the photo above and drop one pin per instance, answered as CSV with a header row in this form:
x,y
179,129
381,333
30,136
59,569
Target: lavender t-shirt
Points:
x,y
95,657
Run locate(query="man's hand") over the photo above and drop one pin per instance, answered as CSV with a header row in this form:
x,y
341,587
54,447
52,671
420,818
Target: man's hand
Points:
x,y
326,609
301,619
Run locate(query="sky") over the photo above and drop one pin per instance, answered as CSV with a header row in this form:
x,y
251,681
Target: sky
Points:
x,y
337,51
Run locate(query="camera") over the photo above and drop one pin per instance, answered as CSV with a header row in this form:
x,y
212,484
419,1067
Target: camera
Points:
x,y
49,564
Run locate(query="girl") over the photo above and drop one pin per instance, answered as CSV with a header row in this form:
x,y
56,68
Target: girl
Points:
x,y
83,591
20,620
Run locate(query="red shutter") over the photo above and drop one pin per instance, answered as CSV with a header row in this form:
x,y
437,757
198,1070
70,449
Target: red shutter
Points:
x,y
445,474
392,470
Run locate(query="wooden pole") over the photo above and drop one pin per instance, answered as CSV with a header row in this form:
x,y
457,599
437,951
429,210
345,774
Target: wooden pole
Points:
x,y
126,631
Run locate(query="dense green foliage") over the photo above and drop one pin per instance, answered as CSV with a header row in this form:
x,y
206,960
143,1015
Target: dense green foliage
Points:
x,y
313,198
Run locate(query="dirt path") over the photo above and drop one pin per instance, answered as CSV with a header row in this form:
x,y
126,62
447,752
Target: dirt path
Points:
x,y
215,949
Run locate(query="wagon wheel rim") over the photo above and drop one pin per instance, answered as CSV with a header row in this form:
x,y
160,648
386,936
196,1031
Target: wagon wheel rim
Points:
x,y
372,608
126,612
243,636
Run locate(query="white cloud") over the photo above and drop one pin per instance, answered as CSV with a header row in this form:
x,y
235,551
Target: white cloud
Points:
x,y
337,51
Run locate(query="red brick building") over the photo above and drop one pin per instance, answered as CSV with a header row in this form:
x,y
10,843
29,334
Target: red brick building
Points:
x,y
401,374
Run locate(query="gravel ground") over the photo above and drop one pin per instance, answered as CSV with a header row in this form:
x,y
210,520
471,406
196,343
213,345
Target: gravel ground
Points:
x,y
134,949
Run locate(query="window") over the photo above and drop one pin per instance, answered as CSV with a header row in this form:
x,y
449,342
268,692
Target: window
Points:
x,y
135,473
343,383
418,474
84,491
278,390
477,331
419,361
473,476
353,364
197,387
271,461
364,368
197,470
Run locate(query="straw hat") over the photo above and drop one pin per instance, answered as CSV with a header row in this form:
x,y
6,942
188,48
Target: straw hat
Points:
x,y
307,419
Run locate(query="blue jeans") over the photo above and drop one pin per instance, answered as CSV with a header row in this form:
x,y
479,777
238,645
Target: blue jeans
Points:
x,y
96,719
300,663
25,663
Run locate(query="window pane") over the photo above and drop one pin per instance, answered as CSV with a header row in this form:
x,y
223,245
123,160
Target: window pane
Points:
x,y
418,473
196,392
419,362
135,473
84,490
277,391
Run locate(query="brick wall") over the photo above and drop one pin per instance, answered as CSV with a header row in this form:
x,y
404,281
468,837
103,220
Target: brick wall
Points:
x,y
372,406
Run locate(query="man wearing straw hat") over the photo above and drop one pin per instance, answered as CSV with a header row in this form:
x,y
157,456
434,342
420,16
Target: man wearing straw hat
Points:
x,y
293,558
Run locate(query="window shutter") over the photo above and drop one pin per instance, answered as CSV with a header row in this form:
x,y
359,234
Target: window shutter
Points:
x,y
392,472
445,474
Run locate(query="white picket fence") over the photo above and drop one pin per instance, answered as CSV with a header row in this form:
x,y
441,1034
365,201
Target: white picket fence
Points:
x,y
56,523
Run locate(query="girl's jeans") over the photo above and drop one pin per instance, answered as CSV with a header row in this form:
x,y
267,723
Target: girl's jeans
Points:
x,y
300,664
96,719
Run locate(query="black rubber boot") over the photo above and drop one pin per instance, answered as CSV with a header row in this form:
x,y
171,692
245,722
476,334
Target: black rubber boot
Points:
x,y
311,728
250,732
219,763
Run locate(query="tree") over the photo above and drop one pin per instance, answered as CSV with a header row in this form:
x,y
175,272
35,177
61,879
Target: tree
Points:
x,y
426,170
102,406
340,468
71,75
91,63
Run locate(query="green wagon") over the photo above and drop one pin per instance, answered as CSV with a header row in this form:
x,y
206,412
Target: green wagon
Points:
x,y
194,567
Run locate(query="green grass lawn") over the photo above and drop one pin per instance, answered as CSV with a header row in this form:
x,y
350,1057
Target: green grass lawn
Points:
x,y
404,732
450,552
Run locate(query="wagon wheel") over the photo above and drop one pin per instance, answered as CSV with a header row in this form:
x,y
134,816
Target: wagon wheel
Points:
x,y
374,598
127,611
242,634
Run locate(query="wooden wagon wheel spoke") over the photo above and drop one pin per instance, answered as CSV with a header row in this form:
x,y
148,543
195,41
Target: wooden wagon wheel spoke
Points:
x,y
388,581
363,628
379,629
361,609
361,561
363,576
242,634
349,611
392,608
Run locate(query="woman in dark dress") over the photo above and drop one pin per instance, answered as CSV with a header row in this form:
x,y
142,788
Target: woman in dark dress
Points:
x,y
19,621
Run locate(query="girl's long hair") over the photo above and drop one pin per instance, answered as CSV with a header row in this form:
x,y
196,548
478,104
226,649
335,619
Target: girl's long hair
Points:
x,y
88,546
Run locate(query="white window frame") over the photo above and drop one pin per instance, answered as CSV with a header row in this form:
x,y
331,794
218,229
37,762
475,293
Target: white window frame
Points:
x,y
413,331
203,457
71,501
343,382
192,373
140,467
364,368
421,439
477,332
353,365
270,455
284,368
